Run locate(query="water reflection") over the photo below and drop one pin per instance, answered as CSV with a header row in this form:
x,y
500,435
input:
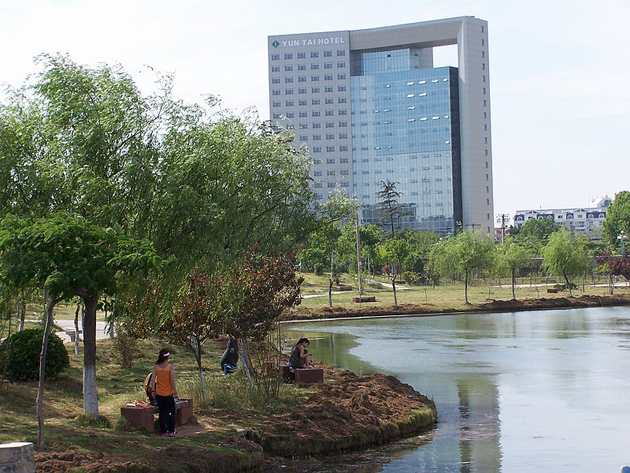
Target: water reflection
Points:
x,y
515,392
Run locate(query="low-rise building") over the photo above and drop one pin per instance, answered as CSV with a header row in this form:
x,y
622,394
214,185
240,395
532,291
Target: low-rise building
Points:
x,y
580,221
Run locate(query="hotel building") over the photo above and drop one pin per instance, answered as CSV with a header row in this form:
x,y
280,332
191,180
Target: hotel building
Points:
x,y
371,108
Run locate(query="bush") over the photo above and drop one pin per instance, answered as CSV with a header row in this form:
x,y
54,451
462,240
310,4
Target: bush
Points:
x,y
24,348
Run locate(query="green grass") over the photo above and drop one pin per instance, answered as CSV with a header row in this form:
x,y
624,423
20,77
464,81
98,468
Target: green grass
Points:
x,y
445,296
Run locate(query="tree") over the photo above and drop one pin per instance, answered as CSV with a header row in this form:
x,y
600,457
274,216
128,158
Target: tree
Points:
x,y
509,258
391,210
252,296
68,256
537,231
616,225
394,251
565,256
463,254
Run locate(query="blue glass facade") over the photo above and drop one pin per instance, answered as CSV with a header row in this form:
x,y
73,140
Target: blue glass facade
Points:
x,y
405,129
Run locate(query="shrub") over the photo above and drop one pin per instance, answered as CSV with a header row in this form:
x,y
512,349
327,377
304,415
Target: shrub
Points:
x,y
125,346
24,348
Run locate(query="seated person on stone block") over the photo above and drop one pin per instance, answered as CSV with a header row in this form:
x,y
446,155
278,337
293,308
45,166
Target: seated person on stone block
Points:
x,y
229,360
299,355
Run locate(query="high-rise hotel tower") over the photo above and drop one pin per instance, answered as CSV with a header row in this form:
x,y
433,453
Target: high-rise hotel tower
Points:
x,y
371,108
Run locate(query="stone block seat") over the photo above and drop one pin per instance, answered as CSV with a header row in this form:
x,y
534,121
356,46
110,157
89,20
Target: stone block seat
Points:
x,y
144,418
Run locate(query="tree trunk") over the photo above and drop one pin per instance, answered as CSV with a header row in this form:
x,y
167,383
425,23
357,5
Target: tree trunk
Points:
x,y
247,363
394,289
22,313
566,278
77,348
330,286
195,345
466,286
50,305
513,284
90,398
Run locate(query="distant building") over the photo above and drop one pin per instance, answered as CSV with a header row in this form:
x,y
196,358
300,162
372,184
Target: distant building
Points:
x,y
580,221
370,106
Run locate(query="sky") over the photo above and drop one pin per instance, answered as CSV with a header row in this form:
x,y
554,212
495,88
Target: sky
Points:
x,y
559,70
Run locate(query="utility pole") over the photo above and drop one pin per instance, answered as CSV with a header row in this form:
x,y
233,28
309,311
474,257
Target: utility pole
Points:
x,y
503,219
359,254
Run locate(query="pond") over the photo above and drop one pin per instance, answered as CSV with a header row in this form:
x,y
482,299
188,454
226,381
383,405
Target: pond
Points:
x,y
516,392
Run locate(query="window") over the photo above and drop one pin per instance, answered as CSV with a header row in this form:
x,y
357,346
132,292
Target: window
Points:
x,y
343,160
330,137
315,101
327,77
288,68
288,91
303,114
343,124
317,173
314,78
303,126
330,124
288,80
343,112
317,149
328,65
345,184
275,68
275,80
301,78
343,136
343,148
275,57
314,66
301,55
301,91
301,67
277,104
289,103
327,53
317,125
302,102
341,52
341,88
341,76
303,137
288,55
328,101
316,113
331,184
330,149
330,113
314,53
290,115
318,185
315,90
328,89
342,100
275,92
341,64
276,115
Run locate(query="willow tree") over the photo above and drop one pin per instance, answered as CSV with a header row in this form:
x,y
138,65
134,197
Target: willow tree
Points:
x,y
565,256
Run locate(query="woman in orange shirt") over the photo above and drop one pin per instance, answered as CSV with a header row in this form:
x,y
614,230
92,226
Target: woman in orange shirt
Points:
x,y
163,384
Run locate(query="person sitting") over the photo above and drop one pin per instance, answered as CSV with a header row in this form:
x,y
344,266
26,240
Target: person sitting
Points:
x,y
229,360
300,357
148,389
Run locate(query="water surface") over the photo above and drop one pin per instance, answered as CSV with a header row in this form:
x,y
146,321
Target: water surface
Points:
x,y
516,392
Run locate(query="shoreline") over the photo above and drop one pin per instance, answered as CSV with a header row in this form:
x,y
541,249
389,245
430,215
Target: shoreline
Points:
x,y
338,313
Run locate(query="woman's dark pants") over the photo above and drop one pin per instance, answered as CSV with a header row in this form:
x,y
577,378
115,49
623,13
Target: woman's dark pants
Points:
x,y
167,413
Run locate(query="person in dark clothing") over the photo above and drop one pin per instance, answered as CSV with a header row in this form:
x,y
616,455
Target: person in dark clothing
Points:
x,y
229,360
299,354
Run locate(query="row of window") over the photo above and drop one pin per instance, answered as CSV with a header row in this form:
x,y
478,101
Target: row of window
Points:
x,y
314,90
329,149
302,103
314,113
289,80
329,136
318,185
330,161
332,172
304,126
314,66
313,54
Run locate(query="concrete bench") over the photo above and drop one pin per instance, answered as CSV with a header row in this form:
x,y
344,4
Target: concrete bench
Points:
x,y
144,418
70,332
17,457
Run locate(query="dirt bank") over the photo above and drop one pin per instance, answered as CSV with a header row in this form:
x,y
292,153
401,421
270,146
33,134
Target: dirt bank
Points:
x,y
345,413
364,310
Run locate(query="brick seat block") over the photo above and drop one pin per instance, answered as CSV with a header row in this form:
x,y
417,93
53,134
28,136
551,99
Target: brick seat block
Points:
x,y
309,375
144,418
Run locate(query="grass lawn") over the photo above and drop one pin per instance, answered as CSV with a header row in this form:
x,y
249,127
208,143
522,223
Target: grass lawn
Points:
x,y
445,296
